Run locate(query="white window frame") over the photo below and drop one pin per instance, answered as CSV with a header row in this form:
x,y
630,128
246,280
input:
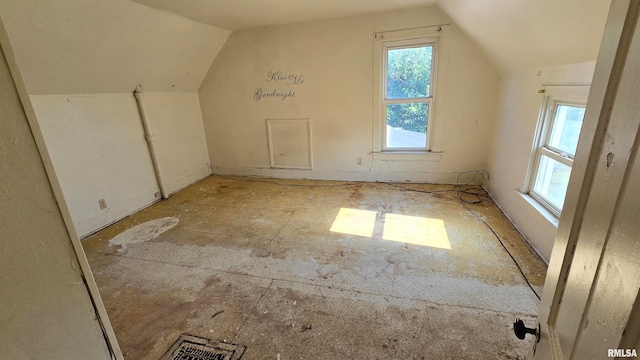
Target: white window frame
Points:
x,y
408,44
438,36
554,96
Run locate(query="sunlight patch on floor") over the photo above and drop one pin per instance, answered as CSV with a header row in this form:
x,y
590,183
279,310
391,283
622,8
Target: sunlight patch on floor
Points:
x,y
354,222
400,228
416,230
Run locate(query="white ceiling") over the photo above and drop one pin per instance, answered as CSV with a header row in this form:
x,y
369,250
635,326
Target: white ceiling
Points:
x,y
97,46
514,33
532,33
241,14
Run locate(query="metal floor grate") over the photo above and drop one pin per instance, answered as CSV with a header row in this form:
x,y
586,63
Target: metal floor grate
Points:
x,y
189,347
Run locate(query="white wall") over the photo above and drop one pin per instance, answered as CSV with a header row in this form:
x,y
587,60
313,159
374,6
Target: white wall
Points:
x,y
46,310
336,58
512,142
181,146
98,147
81,61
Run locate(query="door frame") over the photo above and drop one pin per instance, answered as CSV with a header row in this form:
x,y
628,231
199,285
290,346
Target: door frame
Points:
x,y
619,30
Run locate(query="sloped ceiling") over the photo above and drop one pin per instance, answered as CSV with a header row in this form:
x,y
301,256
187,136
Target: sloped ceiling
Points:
x,y
532,33
514,33
98,46
241,14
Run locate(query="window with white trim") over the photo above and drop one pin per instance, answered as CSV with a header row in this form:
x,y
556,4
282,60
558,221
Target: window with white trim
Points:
x,y
556,142
408,74
407,70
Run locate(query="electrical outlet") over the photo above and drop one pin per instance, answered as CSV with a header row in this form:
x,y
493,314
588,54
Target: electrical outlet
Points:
x,y
359,160
102,203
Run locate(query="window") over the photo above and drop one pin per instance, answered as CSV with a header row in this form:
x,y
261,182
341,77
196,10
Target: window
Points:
x,y
408,75
557,139
405,109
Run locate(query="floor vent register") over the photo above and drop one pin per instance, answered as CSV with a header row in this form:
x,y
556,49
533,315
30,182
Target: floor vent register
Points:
x,y
189,347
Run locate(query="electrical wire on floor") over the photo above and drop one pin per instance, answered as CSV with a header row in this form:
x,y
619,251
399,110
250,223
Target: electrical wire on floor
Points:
x,y
475,215
467,193
470,193
482,195
477,193
405,188
351,183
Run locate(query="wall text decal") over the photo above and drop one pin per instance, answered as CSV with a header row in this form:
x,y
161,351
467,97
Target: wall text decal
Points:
x,y
291,79
258,94
279,77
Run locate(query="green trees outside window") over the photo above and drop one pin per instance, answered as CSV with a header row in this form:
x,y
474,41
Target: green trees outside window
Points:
x,y
409,77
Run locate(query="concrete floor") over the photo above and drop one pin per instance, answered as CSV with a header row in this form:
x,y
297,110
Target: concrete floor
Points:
x,y
254,263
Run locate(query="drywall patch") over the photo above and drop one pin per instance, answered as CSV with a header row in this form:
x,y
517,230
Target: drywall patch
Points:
x,y
289,143
143,232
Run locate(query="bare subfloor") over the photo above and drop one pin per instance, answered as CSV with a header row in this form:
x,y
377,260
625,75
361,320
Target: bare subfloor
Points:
x,y
274,268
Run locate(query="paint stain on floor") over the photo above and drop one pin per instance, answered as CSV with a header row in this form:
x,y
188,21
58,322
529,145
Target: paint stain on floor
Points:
x,y
143,232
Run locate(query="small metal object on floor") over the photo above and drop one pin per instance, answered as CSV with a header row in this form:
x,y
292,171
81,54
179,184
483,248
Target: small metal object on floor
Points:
x,y
196,348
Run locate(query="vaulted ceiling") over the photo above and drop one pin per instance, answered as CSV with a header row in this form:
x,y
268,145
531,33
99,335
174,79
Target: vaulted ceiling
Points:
x,y
241,14
97,46
532,33
514,33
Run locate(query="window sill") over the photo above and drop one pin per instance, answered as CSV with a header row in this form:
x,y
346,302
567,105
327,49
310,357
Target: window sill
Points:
x,y
552,218
407,156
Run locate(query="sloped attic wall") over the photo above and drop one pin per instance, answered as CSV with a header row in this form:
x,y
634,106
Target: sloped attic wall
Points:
x,y
526,34
96,46
337,60
43,293
81,60
512,141
560,50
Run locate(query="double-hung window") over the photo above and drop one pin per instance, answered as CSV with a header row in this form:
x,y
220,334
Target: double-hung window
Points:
x,y
557,139
407,69
408,94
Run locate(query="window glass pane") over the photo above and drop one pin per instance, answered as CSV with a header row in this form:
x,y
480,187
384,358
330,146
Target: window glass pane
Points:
x,y
566,128
407,125
409,72
552,181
